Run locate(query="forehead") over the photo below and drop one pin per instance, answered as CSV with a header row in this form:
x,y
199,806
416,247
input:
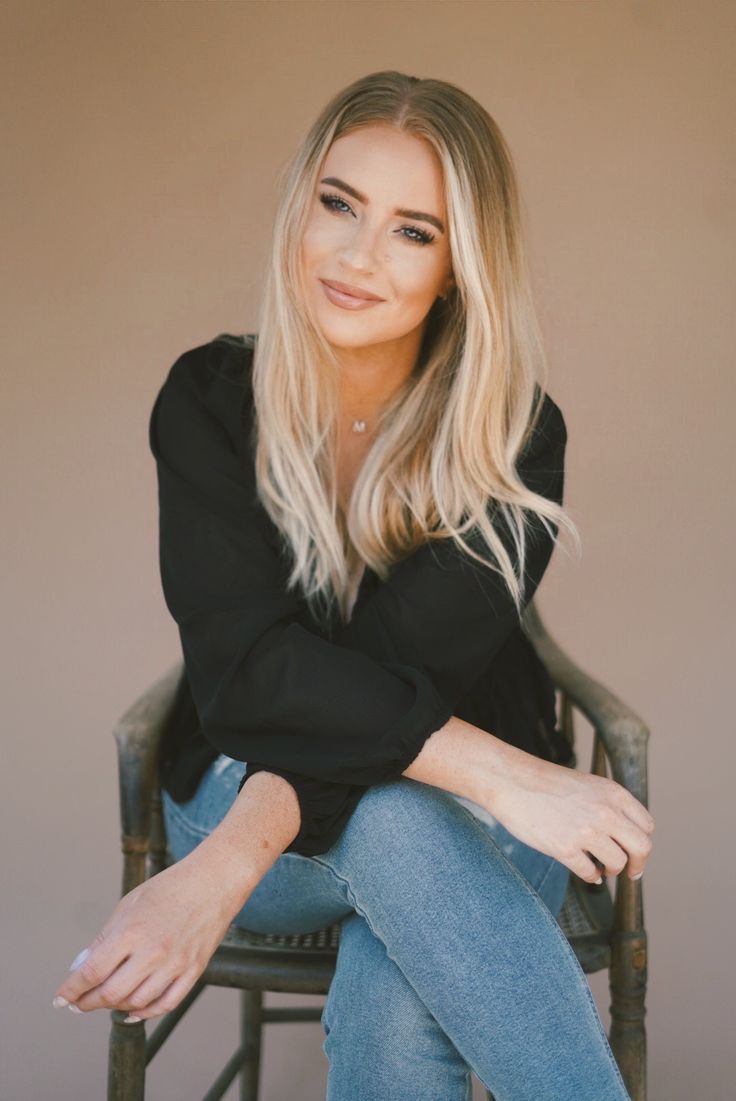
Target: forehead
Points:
x,y
388,165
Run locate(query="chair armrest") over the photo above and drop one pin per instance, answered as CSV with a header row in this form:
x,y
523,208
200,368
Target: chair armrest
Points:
x,y
623,733
138,734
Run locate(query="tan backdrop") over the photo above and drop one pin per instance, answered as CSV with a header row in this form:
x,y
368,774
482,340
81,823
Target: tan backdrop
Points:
x,y
141,143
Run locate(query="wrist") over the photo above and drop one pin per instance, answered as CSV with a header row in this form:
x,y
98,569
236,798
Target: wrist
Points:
x,y
228,875
495,768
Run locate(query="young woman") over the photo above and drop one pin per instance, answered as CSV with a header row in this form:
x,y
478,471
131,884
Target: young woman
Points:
x,y
356,504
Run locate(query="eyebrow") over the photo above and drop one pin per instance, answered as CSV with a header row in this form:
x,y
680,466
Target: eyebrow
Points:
x,y
415,215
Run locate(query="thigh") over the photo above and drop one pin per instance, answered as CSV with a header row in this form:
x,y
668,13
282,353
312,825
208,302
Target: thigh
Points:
x,y
296,895
547,876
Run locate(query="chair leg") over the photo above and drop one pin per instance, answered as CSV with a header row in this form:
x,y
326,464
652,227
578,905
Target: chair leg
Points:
x,y
628,986
251,1027
126,1068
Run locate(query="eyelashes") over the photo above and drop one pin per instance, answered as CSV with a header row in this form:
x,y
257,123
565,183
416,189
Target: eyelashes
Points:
x,y
329,202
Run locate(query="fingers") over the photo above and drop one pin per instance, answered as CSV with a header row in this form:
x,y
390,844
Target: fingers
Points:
x,y
625,839
617,843
611,858
170,997
608,855
131,986
147,993
140,989
103,958
636,844
583,866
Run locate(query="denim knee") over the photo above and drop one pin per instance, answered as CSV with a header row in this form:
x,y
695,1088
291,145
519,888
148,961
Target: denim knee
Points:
x,y
398,811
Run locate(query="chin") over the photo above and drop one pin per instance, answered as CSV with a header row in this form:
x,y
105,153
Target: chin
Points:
x,y
352,332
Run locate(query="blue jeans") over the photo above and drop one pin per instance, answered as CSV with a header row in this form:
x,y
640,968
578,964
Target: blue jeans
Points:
x,y
450,954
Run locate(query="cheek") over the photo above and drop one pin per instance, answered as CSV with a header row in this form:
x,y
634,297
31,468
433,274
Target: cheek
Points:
x,y
419,284
319,240
310,245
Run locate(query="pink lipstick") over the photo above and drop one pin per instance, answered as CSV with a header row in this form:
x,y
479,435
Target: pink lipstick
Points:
x,y
340,295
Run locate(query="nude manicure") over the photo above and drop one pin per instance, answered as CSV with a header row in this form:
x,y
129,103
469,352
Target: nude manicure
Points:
x,y
79,959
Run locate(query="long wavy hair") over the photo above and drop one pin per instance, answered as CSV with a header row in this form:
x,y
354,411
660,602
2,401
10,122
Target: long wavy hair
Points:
x,y
448,442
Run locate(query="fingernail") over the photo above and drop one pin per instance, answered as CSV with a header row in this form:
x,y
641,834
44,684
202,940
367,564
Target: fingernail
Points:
x,y
79,959
131,1020
638,876
75,1008
598,880
59,1002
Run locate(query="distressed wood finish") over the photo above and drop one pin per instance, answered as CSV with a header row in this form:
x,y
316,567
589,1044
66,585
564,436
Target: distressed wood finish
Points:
x,y
602,933
620,742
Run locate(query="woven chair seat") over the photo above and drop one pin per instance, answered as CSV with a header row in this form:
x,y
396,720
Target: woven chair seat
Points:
x,y
586,919
324,940
302,963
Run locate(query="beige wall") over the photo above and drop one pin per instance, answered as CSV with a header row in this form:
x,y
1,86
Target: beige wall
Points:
x,y
141,143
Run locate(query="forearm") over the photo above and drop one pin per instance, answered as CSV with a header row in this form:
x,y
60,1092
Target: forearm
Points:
x,y
262,821
465,760
265,817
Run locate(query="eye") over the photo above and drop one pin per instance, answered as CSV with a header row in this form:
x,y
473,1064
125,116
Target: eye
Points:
x,y
422,238
331,201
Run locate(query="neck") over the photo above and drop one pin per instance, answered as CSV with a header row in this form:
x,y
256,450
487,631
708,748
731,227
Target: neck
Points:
x,y
370,376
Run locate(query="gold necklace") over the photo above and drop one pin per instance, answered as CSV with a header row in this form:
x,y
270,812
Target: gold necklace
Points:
x,y
359,426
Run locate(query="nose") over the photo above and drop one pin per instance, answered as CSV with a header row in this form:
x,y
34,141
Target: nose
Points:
x,y
359,249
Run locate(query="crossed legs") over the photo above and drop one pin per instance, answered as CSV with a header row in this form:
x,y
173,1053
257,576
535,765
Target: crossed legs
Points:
x,y
450,956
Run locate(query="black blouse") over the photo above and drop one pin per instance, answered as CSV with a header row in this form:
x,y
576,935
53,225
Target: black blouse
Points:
x,y
333,710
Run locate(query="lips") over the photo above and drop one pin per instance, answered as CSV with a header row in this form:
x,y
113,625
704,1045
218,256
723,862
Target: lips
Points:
x,y
350,290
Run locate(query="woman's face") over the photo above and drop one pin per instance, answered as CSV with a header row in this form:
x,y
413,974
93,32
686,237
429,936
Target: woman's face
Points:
x,y
377,223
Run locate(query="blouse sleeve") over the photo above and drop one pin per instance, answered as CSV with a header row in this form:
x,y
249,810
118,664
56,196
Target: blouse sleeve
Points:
x,y
268,688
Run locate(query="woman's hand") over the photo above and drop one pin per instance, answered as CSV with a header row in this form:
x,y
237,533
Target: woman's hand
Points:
x,y
163,933
574,816
157,942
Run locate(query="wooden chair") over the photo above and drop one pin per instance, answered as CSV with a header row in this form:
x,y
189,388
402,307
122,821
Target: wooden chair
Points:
x,y
602,933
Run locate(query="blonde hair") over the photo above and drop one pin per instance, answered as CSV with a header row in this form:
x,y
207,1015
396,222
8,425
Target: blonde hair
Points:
x,y
449,439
